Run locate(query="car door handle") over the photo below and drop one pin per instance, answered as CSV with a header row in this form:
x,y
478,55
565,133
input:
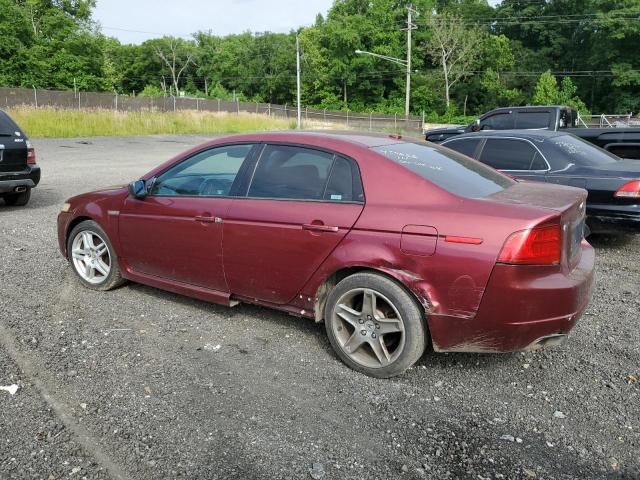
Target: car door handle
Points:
x,y
319,228
208,219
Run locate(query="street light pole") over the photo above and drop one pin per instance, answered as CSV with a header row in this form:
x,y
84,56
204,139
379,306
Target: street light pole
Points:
x,y
405,63
410,28
298,81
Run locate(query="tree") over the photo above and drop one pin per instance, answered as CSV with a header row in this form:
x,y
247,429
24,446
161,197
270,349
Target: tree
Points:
x,y
177,55
547,92
453,46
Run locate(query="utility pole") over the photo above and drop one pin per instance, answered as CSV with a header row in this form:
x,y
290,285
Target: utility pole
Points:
x,y
410,28
298,81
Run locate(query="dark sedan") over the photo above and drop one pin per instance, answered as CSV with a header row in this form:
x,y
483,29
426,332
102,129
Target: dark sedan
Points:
x,y
613,184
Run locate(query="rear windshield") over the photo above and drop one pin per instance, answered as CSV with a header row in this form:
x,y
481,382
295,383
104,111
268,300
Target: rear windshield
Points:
x,y
581,152
449,170
7,126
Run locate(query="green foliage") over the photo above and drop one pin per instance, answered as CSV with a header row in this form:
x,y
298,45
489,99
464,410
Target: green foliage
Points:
x,y
49,122
496,57
547,92
152,91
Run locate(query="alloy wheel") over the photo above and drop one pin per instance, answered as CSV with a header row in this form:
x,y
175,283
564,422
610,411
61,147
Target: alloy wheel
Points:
x,y
91,257
368,328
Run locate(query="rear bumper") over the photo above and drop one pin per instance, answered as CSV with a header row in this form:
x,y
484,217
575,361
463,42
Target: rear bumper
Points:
x,y
523,308
27,178
612,218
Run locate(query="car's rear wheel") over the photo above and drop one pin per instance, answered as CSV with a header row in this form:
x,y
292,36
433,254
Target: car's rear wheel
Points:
x,y
374,325
93,258
17,199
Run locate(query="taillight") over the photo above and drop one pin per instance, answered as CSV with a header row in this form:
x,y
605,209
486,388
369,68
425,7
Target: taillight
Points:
x,y
536,246
629,190
31,154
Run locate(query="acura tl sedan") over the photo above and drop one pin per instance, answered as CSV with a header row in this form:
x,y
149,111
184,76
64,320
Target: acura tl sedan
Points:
x,y
395,245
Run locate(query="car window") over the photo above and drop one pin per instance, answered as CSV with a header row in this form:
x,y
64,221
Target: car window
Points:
x,y
580,152
294,173
8,126
466,146
625,150
510,154
533,120
447,169
210,173
344,184
499,121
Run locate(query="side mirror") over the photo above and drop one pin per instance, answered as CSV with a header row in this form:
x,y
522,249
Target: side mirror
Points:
x,y
476,126
138,189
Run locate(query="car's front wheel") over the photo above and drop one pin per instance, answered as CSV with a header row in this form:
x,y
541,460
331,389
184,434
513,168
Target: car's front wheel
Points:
x,y
93,258
374,325
17,199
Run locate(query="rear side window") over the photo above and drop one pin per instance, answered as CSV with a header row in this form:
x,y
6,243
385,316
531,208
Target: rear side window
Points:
x,y
344,183
499,121
625,150
466,146
580,152
511,154
532,120
297,173
8,126
447,169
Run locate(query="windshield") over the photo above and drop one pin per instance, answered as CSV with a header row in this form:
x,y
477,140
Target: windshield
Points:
x,y
581,152
449,170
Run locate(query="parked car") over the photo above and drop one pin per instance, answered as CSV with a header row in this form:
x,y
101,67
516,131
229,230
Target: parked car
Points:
x,y
19,172
613,184
624,142
393,244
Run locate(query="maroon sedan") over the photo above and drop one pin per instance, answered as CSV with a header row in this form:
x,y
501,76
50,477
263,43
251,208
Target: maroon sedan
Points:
x,y
392,243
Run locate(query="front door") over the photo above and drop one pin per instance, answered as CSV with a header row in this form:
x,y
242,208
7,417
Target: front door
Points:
x,y
175,232
301,203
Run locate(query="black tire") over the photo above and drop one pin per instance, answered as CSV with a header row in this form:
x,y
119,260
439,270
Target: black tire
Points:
x,y
409,344
114,278
17,199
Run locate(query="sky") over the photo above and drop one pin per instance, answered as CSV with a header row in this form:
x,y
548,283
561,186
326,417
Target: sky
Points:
x,y
153,18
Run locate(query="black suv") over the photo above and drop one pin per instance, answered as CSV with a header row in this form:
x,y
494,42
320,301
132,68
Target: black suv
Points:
x,y
18,170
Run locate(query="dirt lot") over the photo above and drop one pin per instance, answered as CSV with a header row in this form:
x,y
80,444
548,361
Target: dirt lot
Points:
x,y
120,384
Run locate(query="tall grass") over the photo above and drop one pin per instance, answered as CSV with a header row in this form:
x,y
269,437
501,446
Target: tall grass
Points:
x,y
50,122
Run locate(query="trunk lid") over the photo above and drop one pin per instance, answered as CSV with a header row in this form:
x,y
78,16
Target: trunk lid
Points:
x,y
568,202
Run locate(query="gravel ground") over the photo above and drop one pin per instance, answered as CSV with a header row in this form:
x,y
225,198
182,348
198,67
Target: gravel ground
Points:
x,y
122,385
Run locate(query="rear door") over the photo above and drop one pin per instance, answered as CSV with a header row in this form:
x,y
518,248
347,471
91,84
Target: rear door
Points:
x,y
300,204
517,157
13,146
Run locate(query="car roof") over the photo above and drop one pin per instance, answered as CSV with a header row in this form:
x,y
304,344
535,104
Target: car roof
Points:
x,y
525,134
367,140
529,107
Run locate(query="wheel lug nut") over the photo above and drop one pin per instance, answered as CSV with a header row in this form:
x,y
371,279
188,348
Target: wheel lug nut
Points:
x,y
377,326
363,332
373,335
361,320
368,317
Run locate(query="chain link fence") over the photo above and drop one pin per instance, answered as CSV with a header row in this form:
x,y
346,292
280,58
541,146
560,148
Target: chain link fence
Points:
x,y
15,97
